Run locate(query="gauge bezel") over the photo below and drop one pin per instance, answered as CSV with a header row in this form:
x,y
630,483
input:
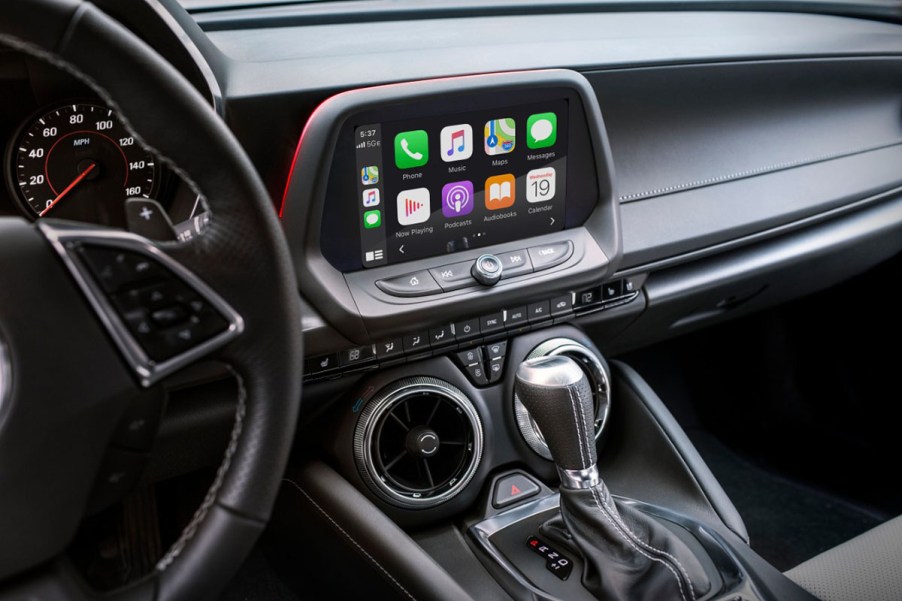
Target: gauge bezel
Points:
x,y
15,191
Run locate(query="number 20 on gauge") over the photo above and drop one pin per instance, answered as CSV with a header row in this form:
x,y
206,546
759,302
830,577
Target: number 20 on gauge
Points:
x,y
540,184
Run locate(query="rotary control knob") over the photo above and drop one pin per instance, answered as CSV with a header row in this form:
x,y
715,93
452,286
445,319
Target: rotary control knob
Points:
x,y
487,270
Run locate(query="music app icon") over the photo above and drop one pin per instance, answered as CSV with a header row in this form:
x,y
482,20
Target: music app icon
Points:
x,y
456,142
371,197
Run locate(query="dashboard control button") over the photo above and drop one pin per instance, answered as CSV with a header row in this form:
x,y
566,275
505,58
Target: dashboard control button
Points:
x,y
549,255
562,305
477,374
442,336
496,369
489,324
454,276
517,317
496,349
321,364
539,311
471,356
419,283
357,356
418,341
588,297
513,488
390,348
467,330
611,290
487,270
515,262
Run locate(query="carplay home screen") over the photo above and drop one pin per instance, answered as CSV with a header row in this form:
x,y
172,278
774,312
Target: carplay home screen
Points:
x,y
427,187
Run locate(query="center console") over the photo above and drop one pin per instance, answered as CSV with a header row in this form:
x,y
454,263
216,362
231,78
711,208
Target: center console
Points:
x,y
450,231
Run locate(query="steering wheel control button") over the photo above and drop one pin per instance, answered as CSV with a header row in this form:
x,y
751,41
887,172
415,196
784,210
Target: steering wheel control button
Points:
x,y
562,305
513,489
490,324
515,262
539,312
557,564
119,473
117,269
487,270
454,276
138,426
467,330
357,356
419,283
550,255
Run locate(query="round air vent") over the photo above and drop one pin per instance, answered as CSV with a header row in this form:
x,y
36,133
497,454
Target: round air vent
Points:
x,y
418,442
598,379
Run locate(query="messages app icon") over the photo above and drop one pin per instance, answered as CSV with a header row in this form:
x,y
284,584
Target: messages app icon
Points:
x,y
541,130
411,149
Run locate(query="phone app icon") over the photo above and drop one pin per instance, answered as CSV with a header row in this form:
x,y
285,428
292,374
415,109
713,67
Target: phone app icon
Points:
x,y
457,199
369,175
456,142
372,219
500,136
500,191
411,149
371,197
541,130
413,206
540,184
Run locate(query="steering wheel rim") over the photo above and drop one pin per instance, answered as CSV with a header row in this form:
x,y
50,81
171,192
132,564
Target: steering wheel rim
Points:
x,y
244,239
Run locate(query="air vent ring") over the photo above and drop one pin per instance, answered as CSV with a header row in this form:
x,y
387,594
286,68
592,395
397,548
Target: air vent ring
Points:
x,y
418,442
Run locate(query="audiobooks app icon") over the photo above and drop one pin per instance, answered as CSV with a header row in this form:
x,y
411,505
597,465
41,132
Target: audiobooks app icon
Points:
x,y
500,191
413,206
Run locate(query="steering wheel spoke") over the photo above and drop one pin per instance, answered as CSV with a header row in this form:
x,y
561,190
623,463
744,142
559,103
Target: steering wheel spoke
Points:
x,y
160,315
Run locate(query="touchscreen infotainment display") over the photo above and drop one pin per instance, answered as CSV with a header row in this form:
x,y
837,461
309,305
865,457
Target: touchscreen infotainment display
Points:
x,y
436,185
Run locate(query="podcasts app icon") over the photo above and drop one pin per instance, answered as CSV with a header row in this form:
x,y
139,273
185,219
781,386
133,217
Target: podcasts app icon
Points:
x,y
457,199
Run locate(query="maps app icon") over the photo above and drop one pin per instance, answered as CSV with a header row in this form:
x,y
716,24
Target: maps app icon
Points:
x,y
500,136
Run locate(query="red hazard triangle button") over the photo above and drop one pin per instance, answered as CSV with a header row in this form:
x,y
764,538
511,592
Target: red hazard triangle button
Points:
x,y
512,488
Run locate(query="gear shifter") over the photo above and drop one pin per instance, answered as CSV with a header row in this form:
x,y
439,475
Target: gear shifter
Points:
x,y
628,554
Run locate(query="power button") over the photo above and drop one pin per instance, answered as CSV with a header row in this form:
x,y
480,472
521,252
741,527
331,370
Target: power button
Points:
x,y
487,270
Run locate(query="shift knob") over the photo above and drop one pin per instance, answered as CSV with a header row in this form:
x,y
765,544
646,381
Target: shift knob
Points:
x,y
557,394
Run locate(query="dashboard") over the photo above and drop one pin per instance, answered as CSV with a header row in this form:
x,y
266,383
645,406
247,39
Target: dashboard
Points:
x,y
579,183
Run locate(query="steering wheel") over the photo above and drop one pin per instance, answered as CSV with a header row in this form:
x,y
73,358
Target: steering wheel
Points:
x,y
68,369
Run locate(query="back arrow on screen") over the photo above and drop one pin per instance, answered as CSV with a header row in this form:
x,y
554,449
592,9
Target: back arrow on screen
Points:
x,y
401,249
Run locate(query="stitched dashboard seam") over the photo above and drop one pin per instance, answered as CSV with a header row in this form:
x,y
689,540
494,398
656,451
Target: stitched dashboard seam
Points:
x,y
720,179
350,538
202,511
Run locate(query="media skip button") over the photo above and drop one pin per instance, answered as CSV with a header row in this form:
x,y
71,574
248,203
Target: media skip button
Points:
x,y
454,276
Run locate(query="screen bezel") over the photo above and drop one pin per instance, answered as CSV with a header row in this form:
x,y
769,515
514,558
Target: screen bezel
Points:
x,y
339,232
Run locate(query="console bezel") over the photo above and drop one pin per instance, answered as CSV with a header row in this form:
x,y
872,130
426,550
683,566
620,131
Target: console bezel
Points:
x,y
351,302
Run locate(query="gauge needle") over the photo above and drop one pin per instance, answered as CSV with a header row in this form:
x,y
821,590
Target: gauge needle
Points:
x,y
74,183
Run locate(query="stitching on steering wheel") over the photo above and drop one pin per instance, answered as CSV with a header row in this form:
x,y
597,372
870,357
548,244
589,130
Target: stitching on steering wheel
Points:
x,y
191,529
210,498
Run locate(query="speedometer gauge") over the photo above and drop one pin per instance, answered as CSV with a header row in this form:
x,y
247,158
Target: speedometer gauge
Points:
x,y
79,162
